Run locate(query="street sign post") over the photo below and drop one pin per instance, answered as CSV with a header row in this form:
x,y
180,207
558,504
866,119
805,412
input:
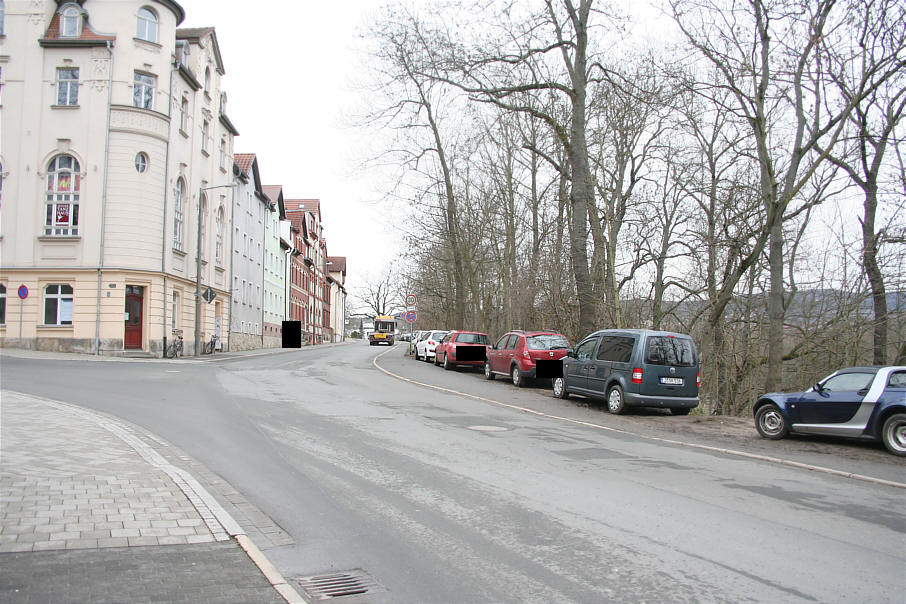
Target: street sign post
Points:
x,y
23,293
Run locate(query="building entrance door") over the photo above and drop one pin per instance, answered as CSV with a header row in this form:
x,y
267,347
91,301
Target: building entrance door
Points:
x,y
132,338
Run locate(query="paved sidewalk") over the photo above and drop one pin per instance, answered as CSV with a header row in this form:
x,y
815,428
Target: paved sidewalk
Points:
x,y
89,512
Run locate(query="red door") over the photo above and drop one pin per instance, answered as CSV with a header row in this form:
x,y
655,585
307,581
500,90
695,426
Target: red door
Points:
x,y
132,338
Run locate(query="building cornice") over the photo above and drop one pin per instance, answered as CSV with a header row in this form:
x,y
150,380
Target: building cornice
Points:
x,y
189,77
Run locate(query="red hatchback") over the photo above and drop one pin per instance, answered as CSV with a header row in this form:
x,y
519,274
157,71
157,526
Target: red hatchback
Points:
x,y
525,355
462,348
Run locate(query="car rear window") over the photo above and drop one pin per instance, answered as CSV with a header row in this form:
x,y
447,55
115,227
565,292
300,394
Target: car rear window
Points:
x,y
670,350
546,342
472,338
897,379
437,335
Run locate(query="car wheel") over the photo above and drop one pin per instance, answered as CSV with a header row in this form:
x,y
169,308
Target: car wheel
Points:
x,y
771,423
488,374
615,403
436,362
447,365
517,378
680,410
560,387
894,434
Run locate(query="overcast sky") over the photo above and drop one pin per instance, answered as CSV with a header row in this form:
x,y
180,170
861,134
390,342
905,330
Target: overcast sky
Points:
x,y
290,73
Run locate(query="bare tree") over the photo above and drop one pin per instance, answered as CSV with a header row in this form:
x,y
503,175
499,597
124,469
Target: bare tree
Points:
x,y
773,58
381,295
872,126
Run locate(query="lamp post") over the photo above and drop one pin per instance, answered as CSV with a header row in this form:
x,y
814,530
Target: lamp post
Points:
x,y
201,191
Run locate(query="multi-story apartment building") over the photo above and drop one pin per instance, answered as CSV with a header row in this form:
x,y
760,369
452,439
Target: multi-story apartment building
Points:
x,y
275,255
251,213
298,294
336,277
115,143
306,216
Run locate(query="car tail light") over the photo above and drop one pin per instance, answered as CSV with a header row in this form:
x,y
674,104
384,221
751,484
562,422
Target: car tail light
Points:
x,y
698,380
526,354
432,343
636,375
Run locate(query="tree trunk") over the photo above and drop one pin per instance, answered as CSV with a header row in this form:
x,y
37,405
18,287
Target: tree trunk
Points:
x,y
873,272
581,193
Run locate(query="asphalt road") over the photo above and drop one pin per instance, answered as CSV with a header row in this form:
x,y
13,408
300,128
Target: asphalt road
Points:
x,y
444,498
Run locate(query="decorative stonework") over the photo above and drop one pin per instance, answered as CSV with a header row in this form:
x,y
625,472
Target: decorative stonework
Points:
x,y
100,69
138,121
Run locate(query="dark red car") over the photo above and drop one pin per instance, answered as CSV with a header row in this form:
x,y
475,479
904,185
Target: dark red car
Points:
x,y
526,355
462,348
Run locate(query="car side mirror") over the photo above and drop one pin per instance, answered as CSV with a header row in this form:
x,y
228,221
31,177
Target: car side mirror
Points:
x,y
571,353
817,387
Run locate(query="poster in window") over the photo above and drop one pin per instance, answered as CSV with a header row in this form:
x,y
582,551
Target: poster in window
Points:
x,y
64,181
62,214
65,311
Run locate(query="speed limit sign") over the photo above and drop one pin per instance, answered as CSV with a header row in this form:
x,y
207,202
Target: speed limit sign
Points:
x,y
411,300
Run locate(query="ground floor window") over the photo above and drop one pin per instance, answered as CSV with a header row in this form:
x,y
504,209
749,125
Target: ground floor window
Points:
x,y
58,304
2,304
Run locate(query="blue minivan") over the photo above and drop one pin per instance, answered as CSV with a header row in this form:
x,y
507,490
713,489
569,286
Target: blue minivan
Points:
x,y
633,368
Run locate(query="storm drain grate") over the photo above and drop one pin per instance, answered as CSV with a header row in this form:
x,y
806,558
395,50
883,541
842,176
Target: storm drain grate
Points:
x,y
338,585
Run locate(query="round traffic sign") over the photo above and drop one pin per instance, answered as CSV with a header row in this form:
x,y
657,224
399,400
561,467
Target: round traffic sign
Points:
x,y
411,316
23,292
411,300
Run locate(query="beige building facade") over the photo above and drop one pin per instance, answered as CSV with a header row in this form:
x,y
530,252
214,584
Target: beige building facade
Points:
x,y
115,140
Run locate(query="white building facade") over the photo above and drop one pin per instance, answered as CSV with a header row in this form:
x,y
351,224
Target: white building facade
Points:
x,y
250,214
115,141
275,255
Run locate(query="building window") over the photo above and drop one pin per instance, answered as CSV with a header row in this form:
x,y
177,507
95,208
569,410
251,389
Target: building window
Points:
x,y
218,236
62,198
143,91
184,115
223,154
175,311
207,82
141,162
205,128
58,305
70,22
147,25
67,86
2,16
178,213
2,304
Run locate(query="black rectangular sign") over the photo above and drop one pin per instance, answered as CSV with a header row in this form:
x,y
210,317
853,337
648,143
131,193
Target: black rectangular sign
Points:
x,y
471,353
547,369
292,334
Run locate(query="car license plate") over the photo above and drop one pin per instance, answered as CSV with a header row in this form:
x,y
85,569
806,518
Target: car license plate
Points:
x,y
672,381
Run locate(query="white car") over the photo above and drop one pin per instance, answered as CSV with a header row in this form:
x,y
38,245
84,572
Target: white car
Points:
x,y
424,349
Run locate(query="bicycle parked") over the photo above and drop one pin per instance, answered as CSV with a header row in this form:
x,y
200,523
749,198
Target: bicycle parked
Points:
x,y
209,346
174,350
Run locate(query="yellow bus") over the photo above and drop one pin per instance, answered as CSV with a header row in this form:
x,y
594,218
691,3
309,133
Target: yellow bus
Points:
x,y
384,330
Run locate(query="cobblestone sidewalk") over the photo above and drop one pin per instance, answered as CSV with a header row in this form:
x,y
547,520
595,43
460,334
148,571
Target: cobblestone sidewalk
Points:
x,y
79,490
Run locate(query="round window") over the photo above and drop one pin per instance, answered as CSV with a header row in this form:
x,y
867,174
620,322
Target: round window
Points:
x,y
141,162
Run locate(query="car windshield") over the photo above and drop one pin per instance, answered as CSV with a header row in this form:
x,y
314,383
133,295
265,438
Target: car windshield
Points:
x,y
546,342
670,350
437,335
472,338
